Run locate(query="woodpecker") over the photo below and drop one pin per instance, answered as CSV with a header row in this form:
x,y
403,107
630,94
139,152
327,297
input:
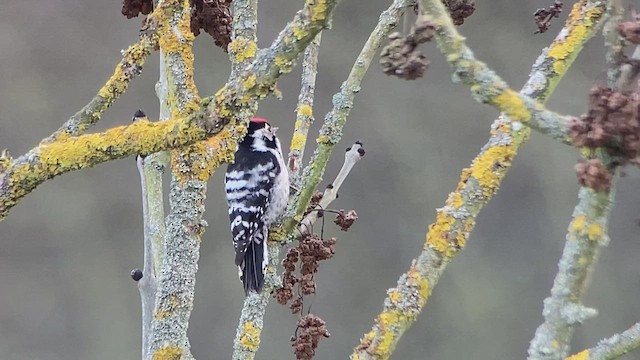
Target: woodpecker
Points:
x,y
257,187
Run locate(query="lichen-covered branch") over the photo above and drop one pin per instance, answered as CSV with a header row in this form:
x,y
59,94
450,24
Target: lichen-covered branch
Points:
x,y
251,319
612,347
20,176
184,225
128,68
486,86
478,183
304,110
334,121
563,310
613,41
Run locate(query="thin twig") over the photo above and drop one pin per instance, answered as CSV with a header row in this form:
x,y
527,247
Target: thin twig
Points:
x,y
478,183
612,347
128,68
304,109
351,157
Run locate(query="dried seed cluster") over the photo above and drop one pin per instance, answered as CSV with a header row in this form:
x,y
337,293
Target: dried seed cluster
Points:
x,y
401,56
214,17
612,123
630,30
133,8
460,9
544,16
311,329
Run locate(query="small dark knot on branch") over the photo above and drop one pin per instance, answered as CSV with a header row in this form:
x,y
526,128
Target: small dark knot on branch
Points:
x,y
136,274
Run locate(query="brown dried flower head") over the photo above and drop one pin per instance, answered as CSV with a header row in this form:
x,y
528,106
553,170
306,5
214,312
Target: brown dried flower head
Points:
x,y
214,17
401,56
346,219
594,174
133,8
543,17
311,329
630,30
460,9
612,122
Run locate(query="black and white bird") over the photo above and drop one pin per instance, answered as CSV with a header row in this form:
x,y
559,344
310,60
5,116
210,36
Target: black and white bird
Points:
x,y
257,186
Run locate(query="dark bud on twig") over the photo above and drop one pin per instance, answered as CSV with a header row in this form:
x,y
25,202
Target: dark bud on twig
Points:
x,y
460,9
543,16
139,115
214,17
593,174
133,8
346,219
136,274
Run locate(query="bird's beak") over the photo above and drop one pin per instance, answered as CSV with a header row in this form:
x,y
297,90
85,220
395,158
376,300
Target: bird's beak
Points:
x,y
274,129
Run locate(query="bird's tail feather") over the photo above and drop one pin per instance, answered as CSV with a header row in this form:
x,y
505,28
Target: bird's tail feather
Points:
x,y
253,272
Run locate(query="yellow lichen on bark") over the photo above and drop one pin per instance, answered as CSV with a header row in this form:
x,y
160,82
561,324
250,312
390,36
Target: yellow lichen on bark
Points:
x,y
243,49
512,105
317,9
563,51
250,337
439,234
489,167
168,353
582,355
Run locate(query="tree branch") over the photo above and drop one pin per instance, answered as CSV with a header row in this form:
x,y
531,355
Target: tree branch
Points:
x,y
20,176
478,183
613,347
147,285
563,310
251,319
184,225
334,121
128,68
486,86
304,110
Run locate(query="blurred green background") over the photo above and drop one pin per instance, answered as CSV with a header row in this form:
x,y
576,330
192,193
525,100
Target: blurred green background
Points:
x,y
68,248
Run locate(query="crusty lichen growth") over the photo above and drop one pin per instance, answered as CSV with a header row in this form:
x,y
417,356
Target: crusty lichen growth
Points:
x,y
489,88
478,183
612,347
304,109
25,172
581,19
582,355
133,59
563,310
168,353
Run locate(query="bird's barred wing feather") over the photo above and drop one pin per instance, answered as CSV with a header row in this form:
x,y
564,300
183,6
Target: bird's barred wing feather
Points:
x,y
248,195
